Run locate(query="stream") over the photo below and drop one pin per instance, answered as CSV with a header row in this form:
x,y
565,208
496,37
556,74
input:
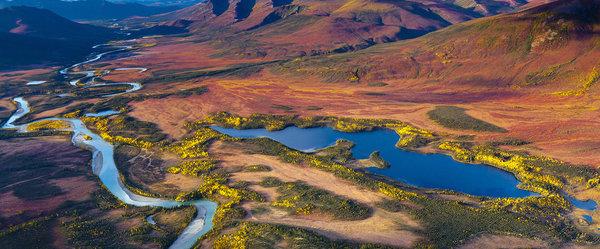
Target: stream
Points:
x,y
103,163
88,78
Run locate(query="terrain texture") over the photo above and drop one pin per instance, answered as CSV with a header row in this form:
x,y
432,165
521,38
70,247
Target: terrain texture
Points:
x,y
508,84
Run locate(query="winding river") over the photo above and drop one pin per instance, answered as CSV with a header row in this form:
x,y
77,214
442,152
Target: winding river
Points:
x,y
88,78
102,113
104,166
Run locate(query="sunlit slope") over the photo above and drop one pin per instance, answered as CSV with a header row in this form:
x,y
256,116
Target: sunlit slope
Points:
x,y
554,47
286,27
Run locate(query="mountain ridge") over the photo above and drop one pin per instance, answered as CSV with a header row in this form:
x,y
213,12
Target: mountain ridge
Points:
x,y
37,36
292,28
91,9
524,45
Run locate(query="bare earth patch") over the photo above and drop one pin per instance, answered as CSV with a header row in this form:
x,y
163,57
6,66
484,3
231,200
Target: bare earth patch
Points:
x,y
382,227
181,182
503,241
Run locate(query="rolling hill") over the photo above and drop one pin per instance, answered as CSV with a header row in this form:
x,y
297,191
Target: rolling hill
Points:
x,y
554,47
533,73
257,28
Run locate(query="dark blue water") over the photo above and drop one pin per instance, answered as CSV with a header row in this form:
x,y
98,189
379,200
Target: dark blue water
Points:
x,y
433,171
587,218
585,205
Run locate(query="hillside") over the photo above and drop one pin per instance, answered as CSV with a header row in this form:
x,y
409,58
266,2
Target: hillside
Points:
x,y
35,36
91,9
36,22
290,28
552,48
516,71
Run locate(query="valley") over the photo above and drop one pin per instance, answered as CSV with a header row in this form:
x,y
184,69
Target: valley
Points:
x,y
256,131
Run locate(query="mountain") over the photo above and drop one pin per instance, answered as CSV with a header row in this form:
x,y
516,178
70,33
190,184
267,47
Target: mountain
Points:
x,y
292,27
40,23
34,36
552,48
181,3
91,9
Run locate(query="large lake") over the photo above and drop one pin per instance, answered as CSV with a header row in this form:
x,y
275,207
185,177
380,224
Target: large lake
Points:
x,y
434,171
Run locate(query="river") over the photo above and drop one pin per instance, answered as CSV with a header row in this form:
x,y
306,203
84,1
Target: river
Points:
x,y
104,166
88,77
103,163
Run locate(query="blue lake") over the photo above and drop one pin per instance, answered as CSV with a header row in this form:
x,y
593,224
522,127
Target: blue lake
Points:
x,y
582,204
434,171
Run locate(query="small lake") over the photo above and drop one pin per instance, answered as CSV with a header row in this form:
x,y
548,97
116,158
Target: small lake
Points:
x,y
36,82
587,218
434,171
102,113
589,205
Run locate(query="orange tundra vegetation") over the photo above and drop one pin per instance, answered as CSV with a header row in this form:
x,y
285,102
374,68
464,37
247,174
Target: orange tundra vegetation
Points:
x,y
504,70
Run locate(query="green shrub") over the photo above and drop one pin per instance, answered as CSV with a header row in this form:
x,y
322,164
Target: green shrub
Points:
x,y
270,182
302,199
263,235
456,118
257,168
391,205
379,162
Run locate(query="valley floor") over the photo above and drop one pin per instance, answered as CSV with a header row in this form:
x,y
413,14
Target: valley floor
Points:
x,y
160,151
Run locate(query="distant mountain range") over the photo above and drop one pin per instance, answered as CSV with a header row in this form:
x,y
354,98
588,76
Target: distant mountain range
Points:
x,y
35,36
161,2
92,9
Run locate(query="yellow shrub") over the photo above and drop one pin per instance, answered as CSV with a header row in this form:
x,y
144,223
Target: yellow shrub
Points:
x,y
192,168
194,146
587,82
530,205
73,114
48,125
395,192
237,239
528,173
126,140
345,126
593,182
